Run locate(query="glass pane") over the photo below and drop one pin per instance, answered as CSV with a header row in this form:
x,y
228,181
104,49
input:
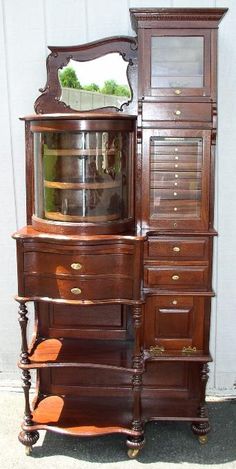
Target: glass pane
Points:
x,y
177,62
176,178
83,176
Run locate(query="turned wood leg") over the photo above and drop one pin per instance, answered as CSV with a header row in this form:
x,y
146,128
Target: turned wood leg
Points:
x,y
28,439
201,430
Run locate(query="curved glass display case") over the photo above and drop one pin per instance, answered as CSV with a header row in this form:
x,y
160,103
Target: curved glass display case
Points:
x,y
84,176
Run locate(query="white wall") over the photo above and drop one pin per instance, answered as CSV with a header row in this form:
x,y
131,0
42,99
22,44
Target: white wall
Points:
x,y
26,29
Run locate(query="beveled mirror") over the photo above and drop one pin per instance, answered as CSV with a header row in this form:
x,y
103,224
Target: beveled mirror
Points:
x,y
99,76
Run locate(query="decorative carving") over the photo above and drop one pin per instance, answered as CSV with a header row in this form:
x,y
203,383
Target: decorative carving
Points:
x,y
137,316
23,320
28,438
49,100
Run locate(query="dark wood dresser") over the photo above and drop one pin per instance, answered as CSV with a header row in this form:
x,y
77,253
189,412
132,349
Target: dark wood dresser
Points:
x,y
117,252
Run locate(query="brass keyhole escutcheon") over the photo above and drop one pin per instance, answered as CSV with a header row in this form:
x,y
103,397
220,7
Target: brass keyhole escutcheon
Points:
x,y
76,291
175,277
76,266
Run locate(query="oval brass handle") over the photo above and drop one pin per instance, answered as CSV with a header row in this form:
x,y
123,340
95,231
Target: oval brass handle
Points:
x,y
175,277
76,291
177,112
76,266
176,249
178,92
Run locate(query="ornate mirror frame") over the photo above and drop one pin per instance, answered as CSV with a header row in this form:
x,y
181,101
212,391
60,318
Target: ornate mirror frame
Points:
x,y
50,99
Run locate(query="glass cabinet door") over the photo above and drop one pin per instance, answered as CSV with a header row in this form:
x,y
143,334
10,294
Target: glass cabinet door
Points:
x,y
179,63
83,176
178,174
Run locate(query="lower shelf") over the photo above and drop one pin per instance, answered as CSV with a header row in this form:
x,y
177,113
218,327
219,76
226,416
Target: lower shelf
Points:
x,y
83,416
172,409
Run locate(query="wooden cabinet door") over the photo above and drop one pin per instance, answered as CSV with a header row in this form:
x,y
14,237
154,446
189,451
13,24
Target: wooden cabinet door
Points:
x,y
178,63
176,179
174,322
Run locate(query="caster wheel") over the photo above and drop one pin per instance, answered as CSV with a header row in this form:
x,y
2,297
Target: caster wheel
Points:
x,y
203,439
132,453
28,450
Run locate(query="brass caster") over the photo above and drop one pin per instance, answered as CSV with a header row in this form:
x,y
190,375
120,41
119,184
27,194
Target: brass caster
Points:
x,y
203,439
132,453
28,450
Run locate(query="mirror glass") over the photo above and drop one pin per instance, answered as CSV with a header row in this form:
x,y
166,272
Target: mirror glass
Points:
x,y
97,83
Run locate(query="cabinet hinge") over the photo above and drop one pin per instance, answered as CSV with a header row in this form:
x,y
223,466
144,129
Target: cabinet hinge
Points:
x,y
156,350
189,350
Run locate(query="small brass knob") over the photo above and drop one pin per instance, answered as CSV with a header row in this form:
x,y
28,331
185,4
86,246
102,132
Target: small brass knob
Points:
x,y
176,157
176,165
175,277
178,112
176,183
174,302
178,92
176,149
176,176
76,291
175,209
175,194
76,266
176,249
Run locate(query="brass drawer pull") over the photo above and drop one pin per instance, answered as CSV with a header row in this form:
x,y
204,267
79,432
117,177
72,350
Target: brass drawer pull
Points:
x,y
76,291
176,249
175,277
76,266
177,112
189,350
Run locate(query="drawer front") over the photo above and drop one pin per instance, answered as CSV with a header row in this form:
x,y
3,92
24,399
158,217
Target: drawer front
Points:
x,y
178,248
176,180
174,322
175,208
79,288
199,112
176,277
77,263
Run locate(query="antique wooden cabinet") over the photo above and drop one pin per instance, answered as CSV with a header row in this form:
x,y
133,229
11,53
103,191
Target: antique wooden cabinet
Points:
x,y
117,252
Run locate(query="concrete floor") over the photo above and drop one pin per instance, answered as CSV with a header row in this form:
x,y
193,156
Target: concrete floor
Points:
x,y
168,444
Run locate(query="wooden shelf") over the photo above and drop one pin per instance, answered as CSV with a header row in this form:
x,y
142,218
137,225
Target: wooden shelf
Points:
x,y
83,416
81,353
58,216
78,152
82,185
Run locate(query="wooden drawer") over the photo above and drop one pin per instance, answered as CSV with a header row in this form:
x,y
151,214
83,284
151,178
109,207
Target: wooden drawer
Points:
x,y
174,322
95,288
175,208
178,248
199,112
176,166
78,263
178,194
176,277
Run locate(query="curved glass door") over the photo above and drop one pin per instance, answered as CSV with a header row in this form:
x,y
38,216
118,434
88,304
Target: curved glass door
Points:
x,y
83,176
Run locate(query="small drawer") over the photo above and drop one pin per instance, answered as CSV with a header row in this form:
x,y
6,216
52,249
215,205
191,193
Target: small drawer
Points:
x,y
198,112
175,208
178,248
77,263
78,289
176,277
178,194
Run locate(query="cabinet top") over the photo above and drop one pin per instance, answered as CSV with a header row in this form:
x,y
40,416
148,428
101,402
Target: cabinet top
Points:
x,y
156,17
